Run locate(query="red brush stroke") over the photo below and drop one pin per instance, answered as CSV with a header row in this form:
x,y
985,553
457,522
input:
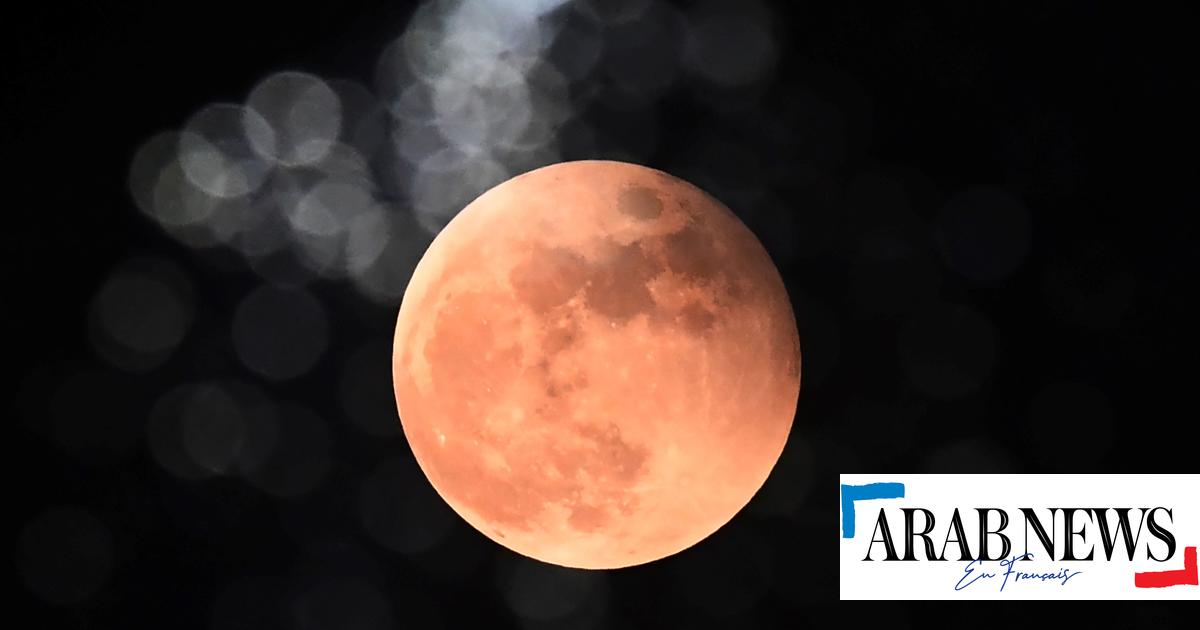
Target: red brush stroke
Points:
x,y
1160,579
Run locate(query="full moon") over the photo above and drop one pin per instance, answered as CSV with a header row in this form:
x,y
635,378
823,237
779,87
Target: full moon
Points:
x,y
596,364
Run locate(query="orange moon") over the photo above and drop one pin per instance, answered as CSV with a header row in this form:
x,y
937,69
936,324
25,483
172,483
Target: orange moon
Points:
x,y
596,364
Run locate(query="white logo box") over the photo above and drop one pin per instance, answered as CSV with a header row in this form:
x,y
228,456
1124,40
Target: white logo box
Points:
x,y
1149,498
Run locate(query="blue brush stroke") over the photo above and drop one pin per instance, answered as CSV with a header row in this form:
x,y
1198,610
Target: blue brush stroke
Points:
x,y
850,494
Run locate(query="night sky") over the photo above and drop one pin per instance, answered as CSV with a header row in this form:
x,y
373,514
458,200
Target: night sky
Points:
x,y
983,214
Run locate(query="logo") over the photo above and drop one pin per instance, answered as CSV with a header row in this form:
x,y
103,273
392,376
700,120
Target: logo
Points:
x,y
1019,536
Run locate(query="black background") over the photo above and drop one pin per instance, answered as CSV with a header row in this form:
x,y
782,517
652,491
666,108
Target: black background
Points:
x,y
872,127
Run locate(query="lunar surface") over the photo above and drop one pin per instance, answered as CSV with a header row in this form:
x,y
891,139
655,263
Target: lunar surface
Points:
x,y
596,364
